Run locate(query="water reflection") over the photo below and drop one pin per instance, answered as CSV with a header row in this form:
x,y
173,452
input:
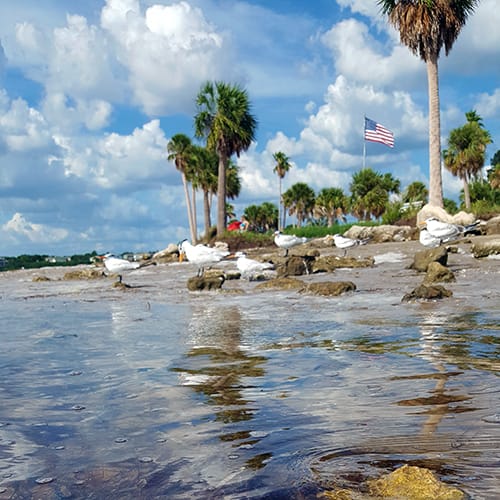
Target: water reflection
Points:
x,y
219,367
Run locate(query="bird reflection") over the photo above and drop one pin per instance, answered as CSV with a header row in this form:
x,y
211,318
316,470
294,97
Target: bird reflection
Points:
x,y
217,364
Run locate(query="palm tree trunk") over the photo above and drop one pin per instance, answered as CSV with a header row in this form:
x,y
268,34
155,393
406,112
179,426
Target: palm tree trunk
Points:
x,y
435,177
466,194
193,209
279,205
206,210
221,195
192,230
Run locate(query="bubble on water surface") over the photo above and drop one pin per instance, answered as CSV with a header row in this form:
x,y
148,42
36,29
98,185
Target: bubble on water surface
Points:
x,y
145,460
492,419
44,480
78,407
120,440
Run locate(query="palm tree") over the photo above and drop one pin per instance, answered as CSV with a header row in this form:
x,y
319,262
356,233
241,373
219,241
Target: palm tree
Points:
x,y
425,26
224,119
205,173
299,200
466,151
370,193
180,151
331,203
281,168
415,192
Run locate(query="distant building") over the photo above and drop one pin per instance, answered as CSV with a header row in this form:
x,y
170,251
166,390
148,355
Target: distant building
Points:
x,y
3,261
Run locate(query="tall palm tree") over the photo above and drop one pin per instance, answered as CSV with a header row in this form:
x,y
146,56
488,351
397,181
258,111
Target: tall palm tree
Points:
x,y
466,151
299,200
281,168
425,26
331,203
416,191
180,151
224,119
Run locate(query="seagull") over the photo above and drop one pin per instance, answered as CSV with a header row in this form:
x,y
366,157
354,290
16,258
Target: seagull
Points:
x,y
201,255
288,241
345,243
446,232
116,265
248,267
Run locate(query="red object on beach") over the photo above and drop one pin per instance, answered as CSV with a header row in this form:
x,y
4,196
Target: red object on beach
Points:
x,y
234,226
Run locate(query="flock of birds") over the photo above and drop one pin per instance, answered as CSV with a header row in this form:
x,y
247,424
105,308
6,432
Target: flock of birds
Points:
x,y
432,234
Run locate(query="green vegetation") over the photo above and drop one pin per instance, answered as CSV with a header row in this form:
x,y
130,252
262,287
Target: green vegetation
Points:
x,y
37,261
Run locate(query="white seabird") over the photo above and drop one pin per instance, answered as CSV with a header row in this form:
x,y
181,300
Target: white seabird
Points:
x,y
201,255
117,265
344,243
428,240
288,241
250,267
445,231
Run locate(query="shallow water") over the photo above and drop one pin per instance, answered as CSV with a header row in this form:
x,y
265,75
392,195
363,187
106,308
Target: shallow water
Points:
x,y
159,393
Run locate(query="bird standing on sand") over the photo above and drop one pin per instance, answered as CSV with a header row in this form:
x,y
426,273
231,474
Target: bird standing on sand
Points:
x,y
288,241
117,265
249,267
201,255
444,232
345,243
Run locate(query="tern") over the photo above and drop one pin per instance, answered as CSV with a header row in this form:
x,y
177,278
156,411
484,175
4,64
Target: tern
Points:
x,y
445,231
428,240
288,241
201,255
345,243
248,267
117,265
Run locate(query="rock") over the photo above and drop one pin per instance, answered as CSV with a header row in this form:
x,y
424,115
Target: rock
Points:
x,y
436,272
83,274
486,248
169,254
381,234
427,292
200,283
284,283
294,266
40,278
329,263
412,482
330,288
422,259
492,226
427,211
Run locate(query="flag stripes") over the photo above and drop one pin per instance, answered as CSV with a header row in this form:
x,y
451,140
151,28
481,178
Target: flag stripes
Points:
x,y
375,132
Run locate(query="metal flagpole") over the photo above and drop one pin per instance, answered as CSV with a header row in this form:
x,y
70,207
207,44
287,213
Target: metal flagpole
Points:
x,y
364,142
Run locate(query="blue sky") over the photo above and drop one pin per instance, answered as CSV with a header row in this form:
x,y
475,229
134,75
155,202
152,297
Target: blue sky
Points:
x,y
91,92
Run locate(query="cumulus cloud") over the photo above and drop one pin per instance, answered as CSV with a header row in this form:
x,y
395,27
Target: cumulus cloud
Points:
x,y
168,52
37,233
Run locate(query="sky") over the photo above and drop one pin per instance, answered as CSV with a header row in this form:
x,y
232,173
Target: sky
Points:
x,y
91,92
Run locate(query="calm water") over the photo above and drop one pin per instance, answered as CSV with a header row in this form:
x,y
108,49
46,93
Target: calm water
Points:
x,y
154,393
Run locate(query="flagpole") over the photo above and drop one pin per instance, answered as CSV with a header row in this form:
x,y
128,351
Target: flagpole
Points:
x,y
364,143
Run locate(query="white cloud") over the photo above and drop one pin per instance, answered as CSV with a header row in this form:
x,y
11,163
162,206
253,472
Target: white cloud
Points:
x,y
37,233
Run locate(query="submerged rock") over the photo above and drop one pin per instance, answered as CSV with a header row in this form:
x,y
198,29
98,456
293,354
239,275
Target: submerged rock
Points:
x,y
284,283
436,272
200,283
329,263
415,483
83,274
427,292
330,288
294,265
486,248
422,259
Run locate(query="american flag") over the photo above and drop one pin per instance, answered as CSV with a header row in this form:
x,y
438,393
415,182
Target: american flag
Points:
x,y
378,133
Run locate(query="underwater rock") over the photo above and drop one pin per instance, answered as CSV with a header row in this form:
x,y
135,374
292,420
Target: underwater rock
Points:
x,y
427,292
284,283
486,248
83,274
414,483
200,283
330,288
329,263
436,272
422,259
